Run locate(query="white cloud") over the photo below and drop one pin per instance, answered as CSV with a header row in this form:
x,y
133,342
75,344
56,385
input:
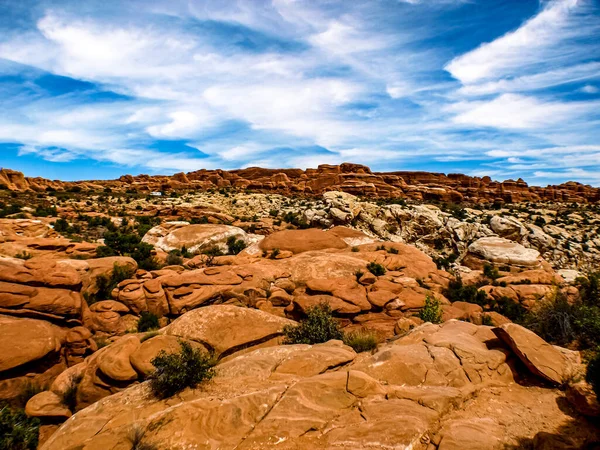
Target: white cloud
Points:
x,y
590,89
516,112
520,48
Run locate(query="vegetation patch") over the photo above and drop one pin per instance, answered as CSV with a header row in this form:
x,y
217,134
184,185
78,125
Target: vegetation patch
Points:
x,y
176,371
17,431
376,269
361,340
147,322
432,311
319,326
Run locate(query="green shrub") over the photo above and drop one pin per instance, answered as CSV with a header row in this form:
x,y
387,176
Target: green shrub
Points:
x,y
318,326
176,371
361,340
554,320
147,322
24,255
458,292
432,311
376,269
509,308
235,245
174,258
593,373
60,225
355,249
17,431
106,283
491,272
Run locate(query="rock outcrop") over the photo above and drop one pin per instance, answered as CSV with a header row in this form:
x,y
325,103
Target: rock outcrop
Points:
x,y
415,391
351,178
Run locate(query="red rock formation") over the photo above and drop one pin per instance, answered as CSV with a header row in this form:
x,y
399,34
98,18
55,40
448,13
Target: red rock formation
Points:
x,y
352,178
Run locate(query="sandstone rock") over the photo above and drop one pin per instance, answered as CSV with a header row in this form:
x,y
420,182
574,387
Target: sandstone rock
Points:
x,y
502,251
508,227
47,404
175,235
26,340
583,399
115,363
225,329
541,358
298,241
142,356
472,434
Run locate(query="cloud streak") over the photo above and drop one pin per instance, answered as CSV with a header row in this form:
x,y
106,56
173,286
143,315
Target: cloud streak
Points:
x,y
168,86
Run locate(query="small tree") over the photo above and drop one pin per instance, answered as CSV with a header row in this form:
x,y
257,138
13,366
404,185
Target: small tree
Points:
x,y
176,371
432,311
318,326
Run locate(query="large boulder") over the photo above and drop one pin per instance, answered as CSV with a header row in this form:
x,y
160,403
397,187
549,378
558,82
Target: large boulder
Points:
x,y
195,238
299,241
541,358
225,329
26,340
508,227
501,251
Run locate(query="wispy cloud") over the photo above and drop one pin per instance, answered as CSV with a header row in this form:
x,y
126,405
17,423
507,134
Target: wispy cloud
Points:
x,y
178,85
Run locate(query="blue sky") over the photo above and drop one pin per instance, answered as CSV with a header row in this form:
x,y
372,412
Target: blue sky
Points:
x,y
96,89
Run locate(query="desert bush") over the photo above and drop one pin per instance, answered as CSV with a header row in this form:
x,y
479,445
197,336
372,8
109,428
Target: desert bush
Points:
x,y
509,308
24,255
376,269
106,283
176,371
274,253
432,311
148,321
318,326
459,292
235,245
491,272
554,320
17,431
592,375
174,258
361,340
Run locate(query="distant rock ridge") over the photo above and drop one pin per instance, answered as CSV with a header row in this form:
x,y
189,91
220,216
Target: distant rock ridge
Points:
x,y
355,179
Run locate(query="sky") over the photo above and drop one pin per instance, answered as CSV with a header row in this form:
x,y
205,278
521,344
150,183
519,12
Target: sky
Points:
x,y
506,88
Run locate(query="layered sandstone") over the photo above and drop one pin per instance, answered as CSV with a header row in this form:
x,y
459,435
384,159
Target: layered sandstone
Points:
x,y
352,178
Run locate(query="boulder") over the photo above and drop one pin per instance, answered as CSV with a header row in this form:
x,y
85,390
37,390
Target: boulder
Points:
x,y
225,329
26,340
508,227
541,358
47,404
175,235
502,251
299,241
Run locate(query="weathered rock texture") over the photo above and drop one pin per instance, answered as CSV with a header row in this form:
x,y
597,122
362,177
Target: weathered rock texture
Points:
x,y
352,178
